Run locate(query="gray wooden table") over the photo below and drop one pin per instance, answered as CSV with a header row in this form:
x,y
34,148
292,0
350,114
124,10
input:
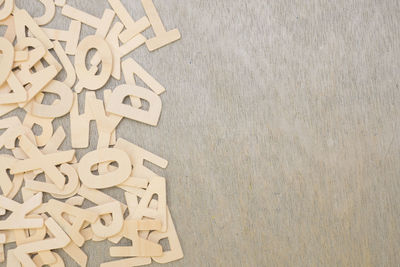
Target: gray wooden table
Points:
x,y
280,124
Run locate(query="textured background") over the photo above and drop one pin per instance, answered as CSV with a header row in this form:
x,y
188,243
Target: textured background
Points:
x,y
280,124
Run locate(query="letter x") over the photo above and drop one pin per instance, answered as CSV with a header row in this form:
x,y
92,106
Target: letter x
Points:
x,y
37,160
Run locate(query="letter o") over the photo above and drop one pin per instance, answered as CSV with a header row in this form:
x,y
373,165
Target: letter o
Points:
x,y
87,79
109,179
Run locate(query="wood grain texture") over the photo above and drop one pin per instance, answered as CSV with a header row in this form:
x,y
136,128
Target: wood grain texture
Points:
x,y
280,124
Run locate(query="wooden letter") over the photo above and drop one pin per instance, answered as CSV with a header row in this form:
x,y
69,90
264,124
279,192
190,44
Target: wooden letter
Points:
x,y
60,2
50,11
22,238
59,109
115,227
22,20
98,197
102,25
106,123
14,129
80,123
18,93
137,156
60,240
117,50
7,9
73,183
56,210
68,67
45,124
132,28
87,79
175,252
39,161
10,32
71,37
40,262
131,68
5,182
163,37
7,59
76,253
17,219
140,246
135,261
109,179
116,105
12,260
156,187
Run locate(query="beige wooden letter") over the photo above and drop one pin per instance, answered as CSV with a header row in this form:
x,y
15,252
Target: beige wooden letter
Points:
x,y
140,246
37,80
2,258
163,37
7,9
39,161
130,68
18,220
116,105
7,59
22,20
106,123
59,108
137,156
14,129
132,28
71,36
50,11
115,226
60,2
12,260
15,91
109,179
80,123
5,182
45,124
35,56
136,261
98,197
101,25
10,32
7,108
117,50
60,240
22,238
175,252
73,183
156,187
66,63
40,262
56,210
55,141
9,190
88,79
76,254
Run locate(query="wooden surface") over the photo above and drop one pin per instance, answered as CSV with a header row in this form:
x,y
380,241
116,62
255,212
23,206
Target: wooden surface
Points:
x,y
280,124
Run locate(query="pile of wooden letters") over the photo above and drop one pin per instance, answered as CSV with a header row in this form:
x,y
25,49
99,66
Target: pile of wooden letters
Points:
x,y
32,56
